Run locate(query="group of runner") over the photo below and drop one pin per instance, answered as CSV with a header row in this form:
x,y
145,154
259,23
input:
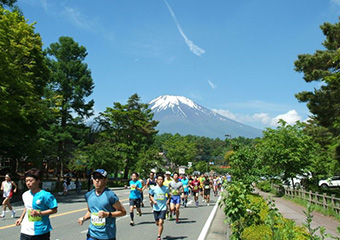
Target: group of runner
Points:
x,y
166,194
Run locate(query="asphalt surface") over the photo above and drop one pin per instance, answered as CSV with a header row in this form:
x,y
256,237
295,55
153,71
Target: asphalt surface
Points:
x,y
70,208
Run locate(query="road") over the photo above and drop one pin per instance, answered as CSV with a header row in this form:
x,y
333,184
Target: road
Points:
x,y
65,227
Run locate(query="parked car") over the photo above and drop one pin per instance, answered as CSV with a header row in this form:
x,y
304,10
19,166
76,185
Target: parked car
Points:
x,y
330,182
299,180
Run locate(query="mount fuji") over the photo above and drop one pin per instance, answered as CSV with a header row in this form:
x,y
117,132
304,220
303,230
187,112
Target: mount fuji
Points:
x,y
178,114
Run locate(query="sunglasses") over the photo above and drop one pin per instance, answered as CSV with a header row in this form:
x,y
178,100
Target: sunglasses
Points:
x,y
100,177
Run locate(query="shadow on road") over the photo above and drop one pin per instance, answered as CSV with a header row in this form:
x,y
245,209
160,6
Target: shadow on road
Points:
x,y
173,238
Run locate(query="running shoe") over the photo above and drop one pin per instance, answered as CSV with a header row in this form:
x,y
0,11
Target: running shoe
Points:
x,y
2,216
13,214
159,238
131,223
139,214
171,217
177,221
197,204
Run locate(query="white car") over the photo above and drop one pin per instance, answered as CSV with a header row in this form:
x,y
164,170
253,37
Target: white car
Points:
x,y
330,182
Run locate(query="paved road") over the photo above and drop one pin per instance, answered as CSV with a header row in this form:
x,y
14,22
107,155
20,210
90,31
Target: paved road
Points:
x,y
65,227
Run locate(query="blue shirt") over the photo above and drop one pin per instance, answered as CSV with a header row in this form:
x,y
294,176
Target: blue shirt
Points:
x,y
102,228
185,182
134,193
160,196
41,201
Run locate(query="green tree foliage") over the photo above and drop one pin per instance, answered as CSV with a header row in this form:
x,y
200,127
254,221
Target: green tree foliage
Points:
x,y
179,150
71,83
130,128
286,151
245,165
147,160
9,3
324,66
24,74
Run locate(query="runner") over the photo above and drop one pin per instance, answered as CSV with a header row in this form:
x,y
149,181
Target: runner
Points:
x,y
201,179
134,199
103,206
207,186
185,193
150,183
166,183
39,205
141,194
194,185
215,186
176,188
160,201
7,189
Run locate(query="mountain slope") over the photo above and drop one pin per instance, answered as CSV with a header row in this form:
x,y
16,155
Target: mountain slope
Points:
x,y
178,114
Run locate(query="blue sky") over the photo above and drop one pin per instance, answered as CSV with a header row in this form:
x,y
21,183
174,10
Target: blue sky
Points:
x,y
236,57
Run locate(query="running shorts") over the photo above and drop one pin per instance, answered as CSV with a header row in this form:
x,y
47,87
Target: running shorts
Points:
x,y
135,202
159,215
207,191
175,200
45,236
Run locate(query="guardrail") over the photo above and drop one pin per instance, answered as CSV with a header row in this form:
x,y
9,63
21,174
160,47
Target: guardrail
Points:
x,y
327,202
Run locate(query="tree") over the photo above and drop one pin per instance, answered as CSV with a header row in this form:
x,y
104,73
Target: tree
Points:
x,y
130,128
9,3
286,151
244,165
24,75
324,66
179,150
71,83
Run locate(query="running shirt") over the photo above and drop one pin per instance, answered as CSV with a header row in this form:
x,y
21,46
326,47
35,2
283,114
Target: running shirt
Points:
x,y
134,193
167,182
185,182
41,201
195,185
101,228
175,188
160,196
151,183
206,184
7,186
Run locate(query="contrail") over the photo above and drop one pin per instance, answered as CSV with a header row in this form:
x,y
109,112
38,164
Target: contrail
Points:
x,y
193,48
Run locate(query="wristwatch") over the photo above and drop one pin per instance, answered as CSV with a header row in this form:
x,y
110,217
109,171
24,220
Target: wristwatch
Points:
x,y
110,214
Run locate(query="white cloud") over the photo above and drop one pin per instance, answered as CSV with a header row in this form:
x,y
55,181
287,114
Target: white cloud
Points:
x,y
193,48
261,119
290,117
212,85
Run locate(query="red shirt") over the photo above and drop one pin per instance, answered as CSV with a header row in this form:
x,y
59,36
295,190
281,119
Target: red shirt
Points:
x,y
195,185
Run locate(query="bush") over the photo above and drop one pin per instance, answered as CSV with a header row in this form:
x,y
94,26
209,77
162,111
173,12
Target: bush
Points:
x,y
264,186
257,232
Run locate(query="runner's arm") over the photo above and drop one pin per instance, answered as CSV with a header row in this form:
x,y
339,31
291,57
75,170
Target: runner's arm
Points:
x,y
18,222
15,185
120,210
87,215
2,188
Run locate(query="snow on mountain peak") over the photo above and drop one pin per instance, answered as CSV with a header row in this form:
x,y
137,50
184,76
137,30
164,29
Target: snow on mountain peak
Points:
x,y
170,101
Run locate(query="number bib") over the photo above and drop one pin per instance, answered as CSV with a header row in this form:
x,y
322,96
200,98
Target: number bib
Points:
x,y
97,221
175,192
195,188
33,219
206,186
160,197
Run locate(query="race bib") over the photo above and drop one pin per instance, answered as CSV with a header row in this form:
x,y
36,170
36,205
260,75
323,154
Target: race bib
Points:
x,y
175,192
33,219
195,188
160,197
206,186
133,188
185,186
97,221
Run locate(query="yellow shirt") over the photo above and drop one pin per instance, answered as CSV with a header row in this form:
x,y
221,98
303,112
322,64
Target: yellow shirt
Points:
x,y
166,182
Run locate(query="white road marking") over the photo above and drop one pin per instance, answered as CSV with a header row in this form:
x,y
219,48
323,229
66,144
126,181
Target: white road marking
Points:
x,y
207,224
